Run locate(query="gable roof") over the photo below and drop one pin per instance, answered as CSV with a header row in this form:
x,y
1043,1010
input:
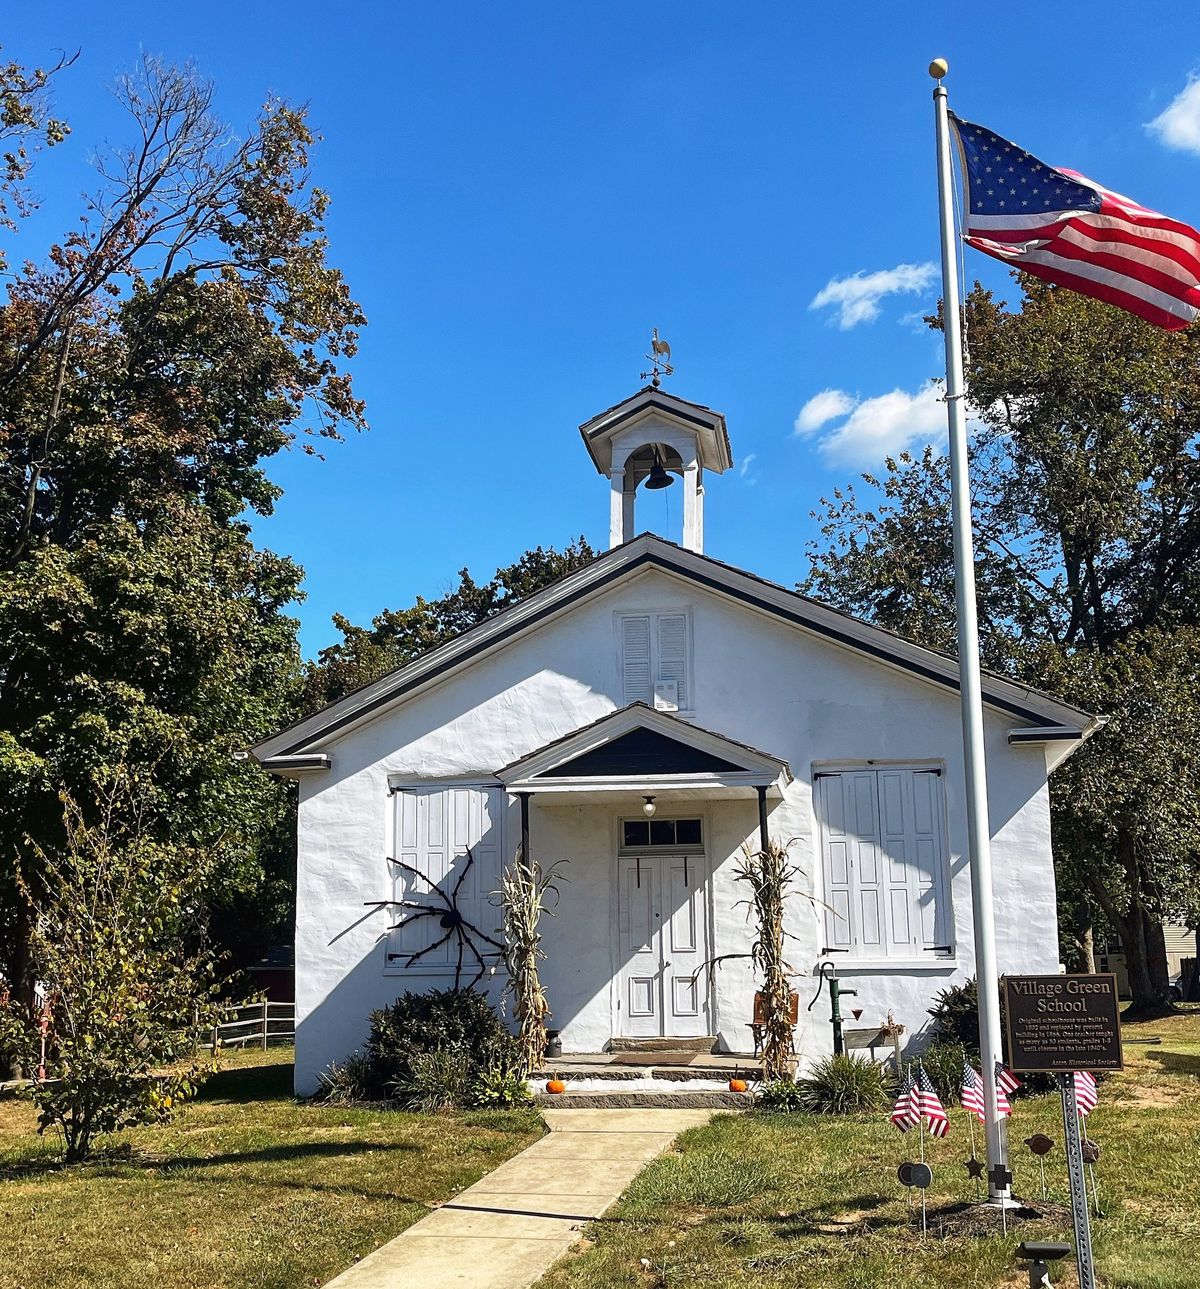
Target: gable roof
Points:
x,y
642,743
312,734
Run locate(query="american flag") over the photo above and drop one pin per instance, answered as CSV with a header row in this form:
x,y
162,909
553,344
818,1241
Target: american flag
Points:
x,y
1062,226
906,1113
930,1105
971,1093
1006,1081
1086,1094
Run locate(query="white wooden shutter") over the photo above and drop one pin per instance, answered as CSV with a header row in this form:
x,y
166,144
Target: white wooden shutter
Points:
x,y
899,845
435,827
884,859
635,658
673,654
928,861
835,861
851,859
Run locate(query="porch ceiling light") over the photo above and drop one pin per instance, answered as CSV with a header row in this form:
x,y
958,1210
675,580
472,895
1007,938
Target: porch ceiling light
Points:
x,y
648,807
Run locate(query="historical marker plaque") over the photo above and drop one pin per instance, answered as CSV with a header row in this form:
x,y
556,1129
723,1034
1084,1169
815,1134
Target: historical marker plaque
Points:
x,y
1062,1023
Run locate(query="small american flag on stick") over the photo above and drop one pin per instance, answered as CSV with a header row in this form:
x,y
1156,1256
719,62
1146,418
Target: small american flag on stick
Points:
x,y
930,1105
906,1113
1062,226
971,1093
1006,1081
1086,1094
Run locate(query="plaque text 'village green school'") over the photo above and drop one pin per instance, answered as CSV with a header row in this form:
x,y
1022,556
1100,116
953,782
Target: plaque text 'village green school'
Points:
x,y
1061,1023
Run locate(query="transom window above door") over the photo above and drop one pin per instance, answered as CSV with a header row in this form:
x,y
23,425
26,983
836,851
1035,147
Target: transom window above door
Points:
x,y
660,834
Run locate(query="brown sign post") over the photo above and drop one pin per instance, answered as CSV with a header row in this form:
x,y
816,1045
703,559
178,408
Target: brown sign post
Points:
x,y
1059,1024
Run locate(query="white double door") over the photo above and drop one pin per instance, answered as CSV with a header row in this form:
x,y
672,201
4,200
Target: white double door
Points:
x,y
662,916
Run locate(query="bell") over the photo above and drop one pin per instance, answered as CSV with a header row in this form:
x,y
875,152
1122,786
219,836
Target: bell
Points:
x,y
658,478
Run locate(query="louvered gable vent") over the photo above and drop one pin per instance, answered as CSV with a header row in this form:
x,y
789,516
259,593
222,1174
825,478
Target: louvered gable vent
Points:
x,y
635,658
656,660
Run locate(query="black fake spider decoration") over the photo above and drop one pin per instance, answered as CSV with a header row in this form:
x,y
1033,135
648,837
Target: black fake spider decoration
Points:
x,y
450,921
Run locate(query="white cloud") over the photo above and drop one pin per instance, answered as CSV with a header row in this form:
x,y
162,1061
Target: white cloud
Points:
x,y
822,407
1179,125
747,461
857,297
882,426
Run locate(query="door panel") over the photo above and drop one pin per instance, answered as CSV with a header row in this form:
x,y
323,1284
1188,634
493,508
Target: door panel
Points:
x,y
640,941
663,941
686,883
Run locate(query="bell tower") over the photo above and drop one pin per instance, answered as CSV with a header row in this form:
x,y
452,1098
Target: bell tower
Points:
x,y
649,440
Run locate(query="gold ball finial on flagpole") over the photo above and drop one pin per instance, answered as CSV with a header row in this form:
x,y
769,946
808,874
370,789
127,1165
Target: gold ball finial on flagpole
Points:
x,y
938,68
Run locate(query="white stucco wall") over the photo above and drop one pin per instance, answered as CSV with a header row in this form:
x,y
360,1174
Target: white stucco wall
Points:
x,y
756,680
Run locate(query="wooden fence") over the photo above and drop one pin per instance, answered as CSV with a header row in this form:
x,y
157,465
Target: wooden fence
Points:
x,y
261,1023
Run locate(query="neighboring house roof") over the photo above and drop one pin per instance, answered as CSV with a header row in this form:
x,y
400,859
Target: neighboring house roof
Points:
x,y
1041,713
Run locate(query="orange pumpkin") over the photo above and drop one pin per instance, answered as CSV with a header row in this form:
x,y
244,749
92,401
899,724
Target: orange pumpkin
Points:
x,y
555,1086
737,1085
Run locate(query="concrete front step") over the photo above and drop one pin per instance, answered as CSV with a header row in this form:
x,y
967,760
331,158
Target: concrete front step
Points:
x,y
645,1100
616,1073
706,1044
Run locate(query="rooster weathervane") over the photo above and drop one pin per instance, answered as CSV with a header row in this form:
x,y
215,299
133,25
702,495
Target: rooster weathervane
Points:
x,y
659,359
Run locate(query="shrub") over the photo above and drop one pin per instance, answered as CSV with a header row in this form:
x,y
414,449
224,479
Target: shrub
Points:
x,y
426,1050
955,1015
347,1082
779,1097
956,1021
499,1089
943,1062
843,1085
118,951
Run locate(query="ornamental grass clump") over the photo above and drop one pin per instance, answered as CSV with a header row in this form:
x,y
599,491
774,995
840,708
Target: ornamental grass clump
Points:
x,y
526,892
844,1085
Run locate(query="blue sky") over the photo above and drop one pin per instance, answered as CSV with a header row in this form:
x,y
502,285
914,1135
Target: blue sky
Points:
x,y
521,191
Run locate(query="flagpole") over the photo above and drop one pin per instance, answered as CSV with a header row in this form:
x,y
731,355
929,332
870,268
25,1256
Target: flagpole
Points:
x,y
978,831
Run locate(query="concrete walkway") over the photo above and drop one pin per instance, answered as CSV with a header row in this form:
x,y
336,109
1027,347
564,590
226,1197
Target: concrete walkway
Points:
x,y
507,1229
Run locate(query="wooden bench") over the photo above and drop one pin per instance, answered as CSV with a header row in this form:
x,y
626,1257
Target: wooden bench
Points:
x,y
758,1024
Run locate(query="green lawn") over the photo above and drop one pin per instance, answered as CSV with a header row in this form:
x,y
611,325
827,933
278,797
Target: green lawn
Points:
x,y
805,1201
245,1188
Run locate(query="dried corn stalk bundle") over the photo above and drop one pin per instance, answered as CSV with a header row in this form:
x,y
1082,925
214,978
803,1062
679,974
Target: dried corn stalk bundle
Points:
x,y
769,873
526,892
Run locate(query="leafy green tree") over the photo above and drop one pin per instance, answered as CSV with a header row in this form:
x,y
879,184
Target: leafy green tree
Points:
x,y
1086,488
189,330
118,947
397,636
25,124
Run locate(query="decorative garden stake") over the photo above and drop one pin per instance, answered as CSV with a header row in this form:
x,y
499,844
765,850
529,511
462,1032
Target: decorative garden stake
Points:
x,y
450,921
525,891
893,1029
1041,1146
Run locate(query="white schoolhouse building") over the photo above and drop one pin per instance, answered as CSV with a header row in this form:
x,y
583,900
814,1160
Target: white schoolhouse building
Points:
x,y
644,718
